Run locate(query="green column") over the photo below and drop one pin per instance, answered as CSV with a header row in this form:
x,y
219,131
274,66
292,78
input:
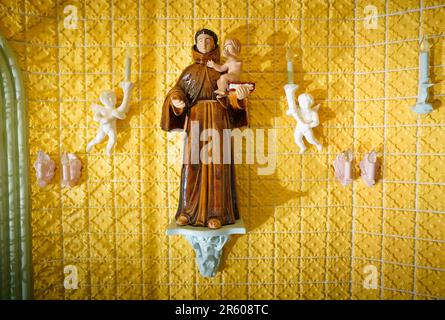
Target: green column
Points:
x,y
15,230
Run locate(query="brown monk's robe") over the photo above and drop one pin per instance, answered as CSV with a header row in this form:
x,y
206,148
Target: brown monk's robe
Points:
x,y
207,190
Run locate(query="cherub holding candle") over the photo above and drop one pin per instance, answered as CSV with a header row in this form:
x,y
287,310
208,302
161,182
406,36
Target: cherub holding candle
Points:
x,y
107,114
233,66
307,118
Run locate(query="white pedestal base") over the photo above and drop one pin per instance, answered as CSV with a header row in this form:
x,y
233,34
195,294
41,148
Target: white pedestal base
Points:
x,y
207,243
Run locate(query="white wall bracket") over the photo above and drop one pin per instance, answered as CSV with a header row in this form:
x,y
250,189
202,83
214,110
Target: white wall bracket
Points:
x,y
207,243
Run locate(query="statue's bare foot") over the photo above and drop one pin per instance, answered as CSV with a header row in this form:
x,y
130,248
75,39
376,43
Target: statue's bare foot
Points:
x,y
182,220
214,223
319,146
302,150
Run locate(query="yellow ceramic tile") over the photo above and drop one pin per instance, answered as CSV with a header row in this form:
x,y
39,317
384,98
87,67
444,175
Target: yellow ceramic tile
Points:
x,y
44,87
287,270
315,9
261,292
399,195
367,246
404,26
370,86
43,115
430,226
288,33
430,282
262,32
341,60
398,250
369,139
337,292
341,86
377,63
287,292
153,32
175,9
399,223
341,32
315,32
288,9
341,9
312,291
401,168
431,197
433,21
312,270
338,269
429,254
339,140
369,112
122,10
368,220
288,245
401,140
431,140
397,277
339,244
46,222
396,295
367,36
399,6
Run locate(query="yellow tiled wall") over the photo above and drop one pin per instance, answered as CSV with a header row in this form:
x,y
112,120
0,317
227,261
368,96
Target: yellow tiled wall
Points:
x,y
309,238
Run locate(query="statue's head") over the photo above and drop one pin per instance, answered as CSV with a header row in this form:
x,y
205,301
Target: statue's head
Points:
x,y
108,98
232,47
305,100
205,40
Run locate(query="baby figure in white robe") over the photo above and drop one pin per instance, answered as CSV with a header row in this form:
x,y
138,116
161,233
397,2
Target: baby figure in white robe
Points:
x,y
307,118
106,115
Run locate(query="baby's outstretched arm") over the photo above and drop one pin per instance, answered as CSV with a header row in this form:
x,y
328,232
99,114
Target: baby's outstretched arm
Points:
x,y
217,67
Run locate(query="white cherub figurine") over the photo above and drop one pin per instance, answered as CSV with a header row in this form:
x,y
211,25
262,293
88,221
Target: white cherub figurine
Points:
x,y
307,119
106,115
233,66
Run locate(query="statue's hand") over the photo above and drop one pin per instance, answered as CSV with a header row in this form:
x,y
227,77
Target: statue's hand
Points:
x,y
242,92
178,103
126,85
210,64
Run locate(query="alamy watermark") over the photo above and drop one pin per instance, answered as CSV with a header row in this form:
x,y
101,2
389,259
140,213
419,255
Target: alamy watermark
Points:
x,y
210,146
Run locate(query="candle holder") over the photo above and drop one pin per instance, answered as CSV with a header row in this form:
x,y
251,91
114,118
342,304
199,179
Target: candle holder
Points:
x,y
45,168
71,170
369,167
343,167
422,106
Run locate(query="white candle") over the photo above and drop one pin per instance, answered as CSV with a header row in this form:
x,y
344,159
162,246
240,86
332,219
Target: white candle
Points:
x,y
371,172
290,66
347,170
127,67
424,61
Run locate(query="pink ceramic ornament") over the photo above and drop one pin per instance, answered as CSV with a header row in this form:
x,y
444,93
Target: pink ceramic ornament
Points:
x,y
343,167
369,166
71,168
45,168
